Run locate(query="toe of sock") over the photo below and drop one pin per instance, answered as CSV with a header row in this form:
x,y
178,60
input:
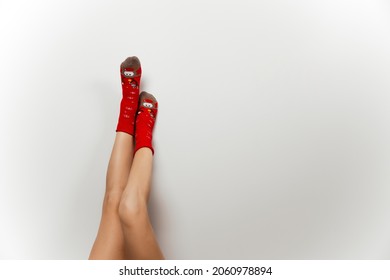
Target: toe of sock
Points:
x,y
131,62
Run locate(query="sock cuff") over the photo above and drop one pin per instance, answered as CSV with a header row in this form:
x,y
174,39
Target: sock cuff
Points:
x,y
143,146
124,129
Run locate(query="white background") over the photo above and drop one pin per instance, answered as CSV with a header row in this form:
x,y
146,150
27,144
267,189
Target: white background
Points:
x,y
272,135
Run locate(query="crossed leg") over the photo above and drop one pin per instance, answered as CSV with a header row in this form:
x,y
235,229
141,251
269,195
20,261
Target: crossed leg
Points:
x,y
125,231
139,239
109,243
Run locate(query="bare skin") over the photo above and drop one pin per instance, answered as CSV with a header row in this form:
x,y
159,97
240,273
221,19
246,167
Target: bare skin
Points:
x,y
125,231
140,241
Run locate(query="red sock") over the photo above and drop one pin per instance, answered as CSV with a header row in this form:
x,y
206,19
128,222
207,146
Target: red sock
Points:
x,y
146,117
131,78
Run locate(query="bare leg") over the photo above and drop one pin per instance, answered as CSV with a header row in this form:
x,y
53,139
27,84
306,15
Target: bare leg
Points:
x,y
139,239
109,243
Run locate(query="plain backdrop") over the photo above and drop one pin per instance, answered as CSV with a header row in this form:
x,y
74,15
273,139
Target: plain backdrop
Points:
x,y
272,140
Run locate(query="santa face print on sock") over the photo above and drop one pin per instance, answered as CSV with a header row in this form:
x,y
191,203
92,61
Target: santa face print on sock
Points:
x,y
129,77
150,107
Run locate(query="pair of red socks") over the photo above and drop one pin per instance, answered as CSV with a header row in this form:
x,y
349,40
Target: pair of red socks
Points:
x,y
138,112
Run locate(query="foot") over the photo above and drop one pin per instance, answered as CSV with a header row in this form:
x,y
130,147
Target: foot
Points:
x,y
131,71
146,117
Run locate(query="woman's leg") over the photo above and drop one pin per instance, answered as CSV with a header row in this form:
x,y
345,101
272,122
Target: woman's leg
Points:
x,y
139,238
140,241
109,243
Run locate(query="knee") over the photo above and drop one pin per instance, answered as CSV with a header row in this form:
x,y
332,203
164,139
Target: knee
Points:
x,y
132,211
111,202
